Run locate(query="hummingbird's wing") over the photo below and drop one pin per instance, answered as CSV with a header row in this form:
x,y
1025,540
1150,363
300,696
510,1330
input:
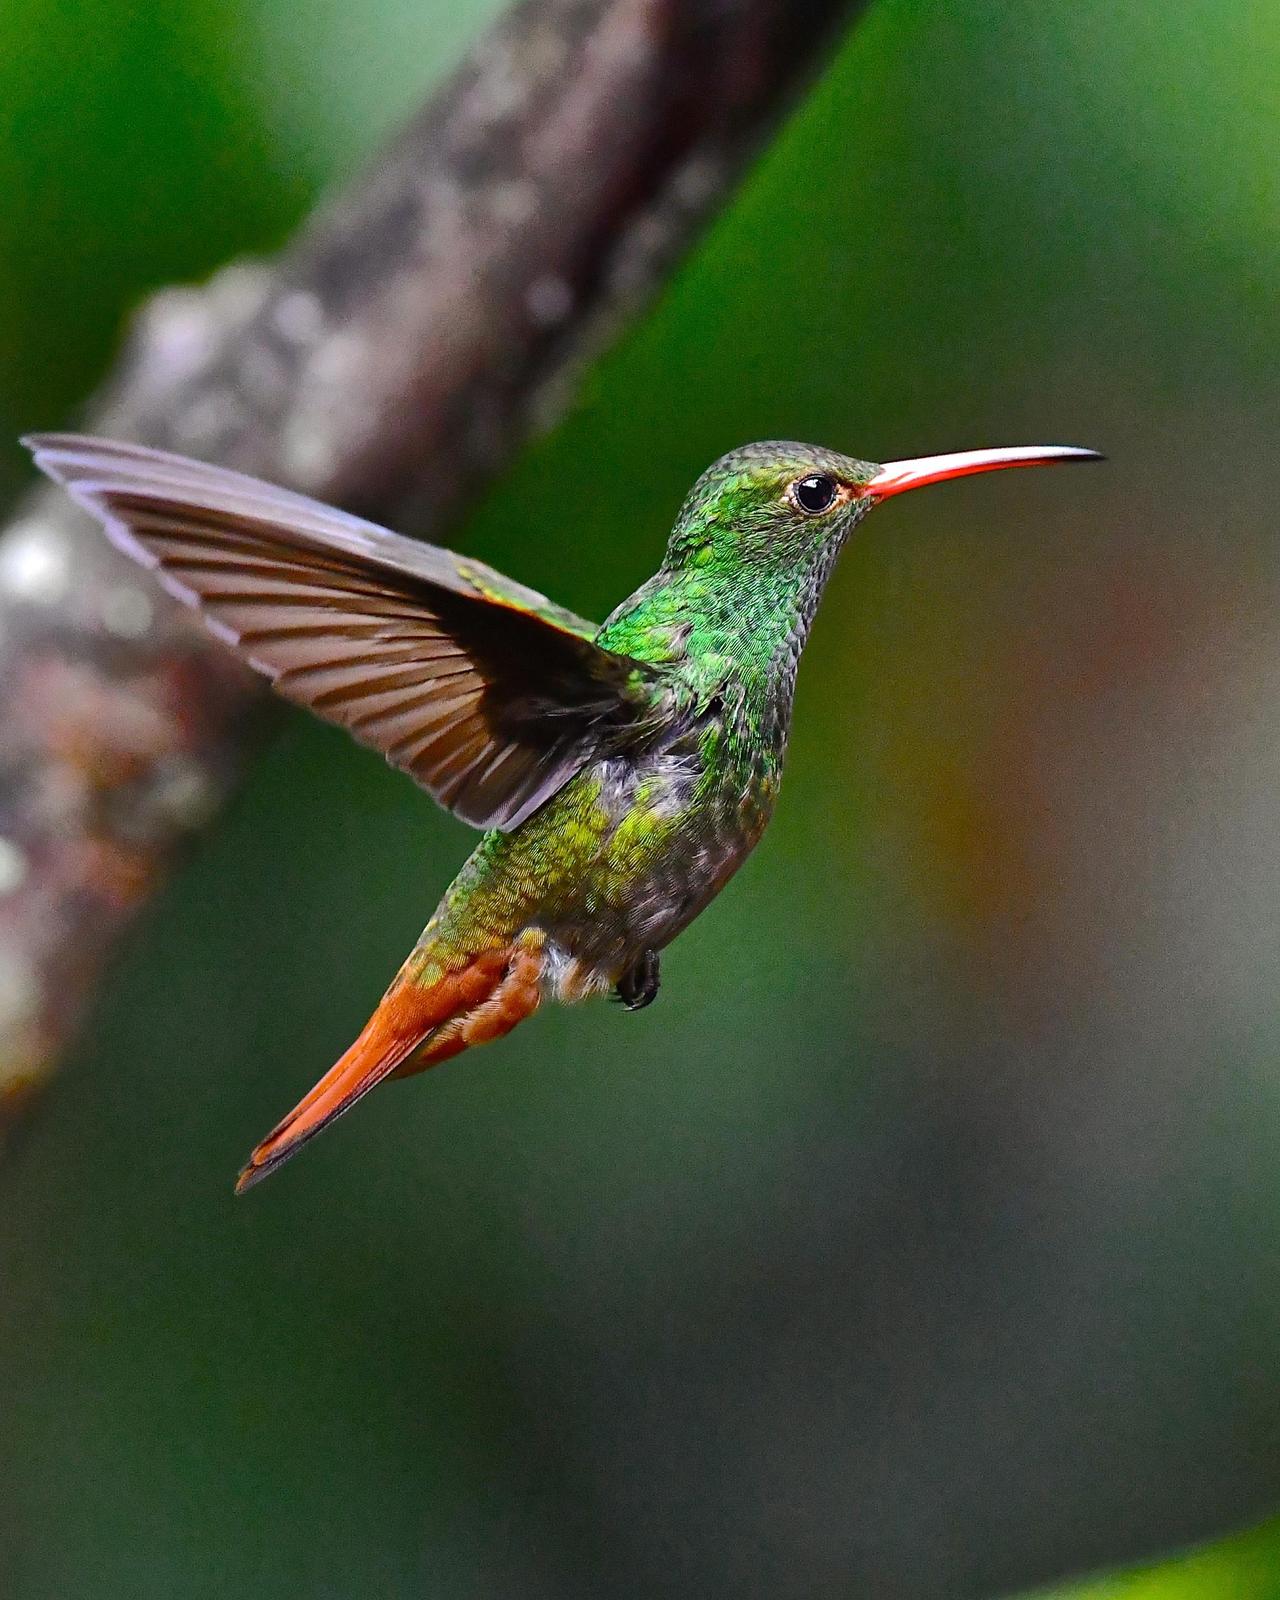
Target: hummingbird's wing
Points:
x,y
486,693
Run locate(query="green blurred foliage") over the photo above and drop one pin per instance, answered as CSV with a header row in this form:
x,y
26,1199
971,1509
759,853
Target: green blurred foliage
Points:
x,y
922,1239
1245,1568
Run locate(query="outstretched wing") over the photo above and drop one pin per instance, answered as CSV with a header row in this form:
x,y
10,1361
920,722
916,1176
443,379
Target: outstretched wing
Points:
x,y
482,690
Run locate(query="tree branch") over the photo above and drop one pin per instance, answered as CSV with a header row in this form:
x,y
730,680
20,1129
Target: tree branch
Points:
x,y
391,359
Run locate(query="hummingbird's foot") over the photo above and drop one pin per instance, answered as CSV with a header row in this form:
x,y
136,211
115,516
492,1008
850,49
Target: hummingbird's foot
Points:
x,y
638,987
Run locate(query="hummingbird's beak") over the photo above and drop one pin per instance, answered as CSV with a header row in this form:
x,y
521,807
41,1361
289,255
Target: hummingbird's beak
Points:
x,y
898,476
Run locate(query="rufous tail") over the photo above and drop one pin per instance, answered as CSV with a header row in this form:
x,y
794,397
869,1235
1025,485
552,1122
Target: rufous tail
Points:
x,y
414,1027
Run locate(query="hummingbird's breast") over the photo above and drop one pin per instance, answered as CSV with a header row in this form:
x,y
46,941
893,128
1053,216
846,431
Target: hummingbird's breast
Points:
x,y
639,841
657,835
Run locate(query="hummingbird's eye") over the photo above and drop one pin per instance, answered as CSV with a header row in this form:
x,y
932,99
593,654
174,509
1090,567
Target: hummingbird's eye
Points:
x,y
815,494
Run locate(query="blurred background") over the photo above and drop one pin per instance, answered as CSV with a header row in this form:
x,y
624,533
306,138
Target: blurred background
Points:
x,y
924,1239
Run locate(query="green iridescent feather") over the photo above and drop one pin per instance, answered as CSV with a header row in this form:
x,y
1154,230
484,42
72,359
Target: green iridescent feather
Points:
x,y
723,621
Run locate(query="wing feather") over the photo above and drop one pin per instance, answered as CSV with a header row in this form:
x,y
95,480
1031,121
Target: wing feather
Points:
x,y
490,696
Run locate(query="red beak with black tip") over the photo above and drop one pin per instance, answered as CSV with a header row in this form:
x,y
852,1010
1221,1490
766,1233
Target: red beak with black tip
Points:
x,y
896,477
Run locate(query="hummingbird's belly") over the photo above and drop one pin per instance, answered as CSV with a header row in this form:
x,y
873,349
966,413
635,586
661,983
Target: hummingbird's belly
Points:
x,y
671,840
616,864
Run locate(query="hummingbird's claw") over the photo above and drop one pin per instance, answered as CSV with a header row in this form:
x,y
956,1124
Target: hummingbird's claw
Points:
x,y
638,987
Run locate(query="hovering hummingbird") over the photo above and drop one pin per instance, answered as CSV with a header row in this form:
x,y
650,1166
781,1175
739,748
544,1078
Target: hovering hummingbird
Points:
x,y
623,773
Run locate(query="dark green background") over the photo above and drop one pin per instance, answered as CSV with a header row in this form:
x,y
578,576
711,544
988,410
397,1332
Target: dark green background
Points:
x,y
924,1239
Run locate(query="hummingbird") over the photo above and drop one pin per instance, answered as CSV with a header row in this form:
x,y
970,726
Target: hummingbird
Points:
x,y
621,773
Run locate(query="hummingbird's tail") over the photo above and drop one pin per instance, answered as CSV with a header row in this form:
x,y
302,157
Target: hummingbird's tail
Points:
x,y
415,1026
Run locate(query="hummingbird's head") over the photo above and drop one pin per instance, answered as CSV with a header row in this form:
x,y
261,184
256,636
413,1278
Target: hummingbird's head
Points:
x,y
779,505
